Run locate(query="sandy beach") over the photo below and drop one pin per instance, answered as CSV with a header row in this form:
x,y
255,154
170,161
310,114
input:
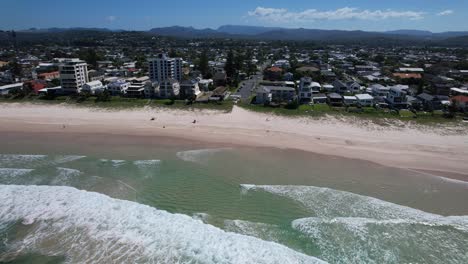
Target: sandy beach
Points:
x,y
439,151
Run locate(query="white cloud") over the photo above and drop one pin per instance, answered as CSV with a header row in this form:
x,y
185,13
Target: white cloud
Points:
x,y
446,13
284,15
111,18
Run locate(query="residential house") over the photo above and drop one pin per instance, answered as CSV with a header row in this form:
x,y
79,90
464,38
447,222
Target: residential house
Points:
x,y
319,99
189,89
365,100
379,90
340,87
275,94
169,88
6,89
220,78
118,87
335,99
205,84
353,87
93,87
350,100
274,74
396,97
431,102
141,87
307,88
459,98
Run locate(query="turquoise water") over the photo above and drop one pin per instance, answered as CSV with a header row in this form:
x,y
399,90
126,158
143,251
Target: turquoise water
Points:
x,y
188,204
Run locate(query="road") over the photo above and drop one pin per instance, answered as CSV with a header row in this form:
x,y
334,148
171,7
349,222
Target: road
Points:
x,y
247,87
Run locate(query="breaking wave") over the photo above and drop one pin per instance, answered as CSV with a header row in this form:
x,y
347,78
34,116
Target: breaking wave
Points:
x,y
352,228
199,155
8,160
93,228
145,163
114,163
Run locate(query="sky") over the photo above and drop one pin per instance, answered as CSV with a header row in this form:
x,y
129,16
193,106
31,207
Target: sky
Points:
x,y
369,15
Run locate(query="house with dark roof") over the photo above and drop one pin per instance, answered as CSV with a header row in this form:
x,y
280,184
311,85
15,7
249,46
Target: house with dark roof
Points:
x,y
335,99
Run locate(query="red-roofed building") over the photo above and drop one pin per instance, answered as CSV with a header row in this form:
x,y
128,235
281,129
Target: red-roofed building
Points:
x,y
407,75
49,75
274,74
36,85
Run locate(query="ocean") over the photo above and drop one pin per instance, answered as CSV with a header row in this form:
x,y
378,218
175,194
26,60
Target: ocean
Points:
x,y
154,200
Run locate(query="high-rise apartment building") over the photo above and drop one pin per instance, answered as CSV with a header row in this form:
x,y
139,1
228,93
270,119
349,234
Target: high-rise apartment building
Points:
x,y
73,75
162,68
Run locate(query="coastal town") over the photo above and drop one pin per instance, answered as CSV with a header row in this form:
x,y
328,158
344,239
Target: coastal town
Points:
x,y
273,75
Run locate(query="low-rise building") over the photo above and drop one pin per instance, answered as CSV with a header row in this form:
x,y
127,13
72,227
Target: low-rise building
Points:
x,y
307,88
335,99
6,89
189,89
118,87
93,87
275,94
365,99
170,88
396,97
350,100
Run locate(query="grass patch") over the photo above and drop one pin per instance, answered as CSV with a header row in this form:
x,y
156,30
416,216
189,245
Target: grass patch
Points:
x,y
117,102
370,113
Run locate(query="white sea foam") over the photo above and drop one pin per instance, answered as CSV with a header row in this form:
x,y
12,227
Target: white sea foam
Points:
x,y
65,176
66,158
114,163
146,162
19,159
204,217
12,172
93,228
261,230
352,228
199,155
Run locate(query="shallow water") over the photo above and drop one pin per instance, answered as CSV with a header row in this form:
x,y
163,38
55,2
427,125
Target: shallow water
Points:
x,y
189,203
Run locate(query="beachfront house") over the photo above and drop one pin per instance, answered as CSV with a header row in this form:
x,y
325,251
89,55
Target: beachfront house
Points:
x,y
189,89
396,96
319,99
459,98
350,100
169,88
93,87
6,89
307,88
432,102
335,99
379,90
118,87
365,99
275,94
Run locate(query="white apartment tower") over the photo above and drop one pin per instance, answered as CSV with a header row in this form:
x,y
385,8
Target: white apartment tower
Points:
x,y
73,75
162,68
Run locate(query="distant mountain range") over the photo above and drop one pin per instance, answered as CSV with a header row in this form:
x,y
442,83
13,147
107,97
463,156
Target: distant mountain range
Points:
x,y
277,33
396,37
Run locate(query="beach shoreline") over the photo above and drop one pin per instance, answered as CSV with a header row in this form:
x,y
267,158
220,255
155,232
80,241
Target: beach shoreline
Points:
x,y
438,151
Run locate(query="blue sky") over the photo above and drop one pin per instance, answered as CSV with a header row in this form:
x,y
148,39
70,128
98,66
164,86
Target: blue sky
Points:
x,y
374,15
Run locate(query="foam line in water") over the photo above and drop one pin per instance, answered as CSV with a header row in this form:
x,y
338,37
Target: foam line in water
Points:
x,y
198,155
146,162
115,163
19,159
89,227
13,172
